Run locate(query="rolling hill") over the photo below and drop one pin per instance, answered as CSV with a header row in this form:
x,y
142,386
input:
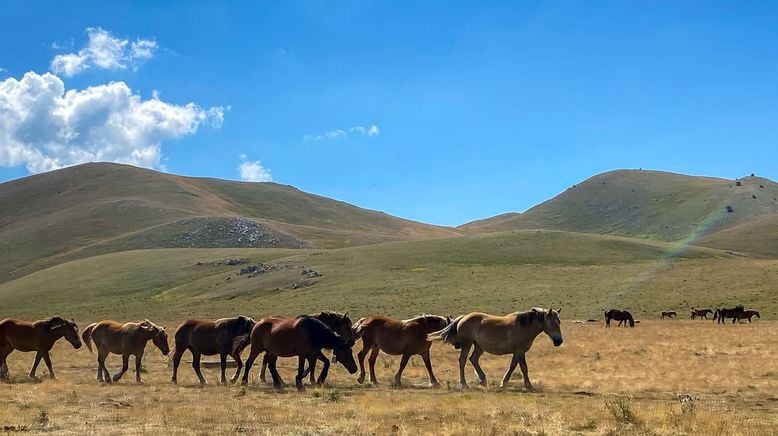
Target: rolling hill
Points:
x,y
100,208
733,215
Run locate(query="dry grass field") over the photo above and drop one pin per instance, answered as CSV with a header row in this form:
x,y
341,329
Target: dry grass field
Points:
x,y
671,377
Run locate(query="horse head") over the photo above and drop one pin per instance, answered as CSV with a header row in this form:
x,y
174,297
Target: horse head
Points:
x,y
68,329
342,353
158,336
552,326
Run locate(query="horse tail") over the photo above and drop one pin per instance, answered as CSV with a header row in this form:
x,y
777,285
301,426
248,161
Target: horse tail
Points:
x,y
86,336
448,334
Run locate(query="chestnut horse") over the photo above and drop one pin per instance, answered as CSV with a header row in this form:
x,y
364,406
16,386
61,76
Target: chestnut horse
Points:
x,y
669,314
125,339
509,334
622,316
303,337
397,337
38,336
209,338
701,313
339,323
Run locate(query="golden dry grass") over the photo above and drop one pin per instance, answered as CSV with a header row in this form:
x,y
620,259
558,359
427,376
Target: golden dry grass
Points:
x,y
601,381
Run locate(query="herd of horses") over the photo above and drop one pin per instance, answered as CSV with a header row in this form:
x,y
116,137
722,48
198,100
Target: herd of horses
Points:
x,y
737,313
303,337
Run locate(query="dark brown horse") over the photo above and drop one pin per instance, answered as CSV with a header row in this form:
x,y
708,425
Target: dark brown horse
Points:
x,y
721,314
340,323
38,336
125,339
748,314
670,314
303,337
509,334
700,313
397,337
209,338
622,316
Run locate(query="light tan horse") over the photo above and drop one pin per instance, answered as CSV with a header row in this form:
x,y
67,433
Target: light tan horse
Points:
x,y
398,337
125,339
509,334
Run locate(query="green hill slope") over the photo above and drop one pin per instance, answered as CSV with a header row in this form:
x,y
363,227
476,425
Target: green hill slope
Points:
x,y
499,272
100,208
659,205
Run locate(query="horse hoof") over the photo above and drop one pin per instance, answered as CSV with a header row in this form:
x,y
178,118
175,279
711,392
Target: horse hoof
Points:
x,y
434,384
361,380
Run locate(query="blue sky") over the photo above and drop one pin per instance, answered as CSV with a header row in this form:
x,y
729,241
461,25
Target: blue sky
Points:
x,y
479,108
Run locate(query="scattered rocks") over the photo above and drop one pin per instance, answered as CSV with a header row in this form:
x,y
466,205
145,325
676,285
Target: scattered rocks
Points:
x,y
234,262
254,270
311,273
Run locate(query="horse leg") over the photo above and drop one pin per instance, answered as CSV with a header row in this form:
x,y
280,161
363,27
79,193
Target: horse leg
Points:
x,y
262,377
298,379
523,366
177,361
36,362
239,363
512,367
403,362
196,366
47,359
371,362
250,361
3,366
138,366
101,366
125,366
462,362
312,368
223,366
477,352
361,358
428,363
277,382
324,371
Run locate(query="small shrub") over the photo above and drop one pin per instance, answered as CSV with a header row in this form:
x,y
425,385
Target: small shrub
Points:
x,y
589,425
241,392
622,412
43,418
333,396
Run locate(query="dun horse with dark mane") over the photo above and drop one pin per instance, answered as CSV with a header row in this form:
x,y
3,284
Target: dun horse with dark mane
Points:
x,y
700,313
209,338
509,334
38,336
125,339
398,337
622,316
303,337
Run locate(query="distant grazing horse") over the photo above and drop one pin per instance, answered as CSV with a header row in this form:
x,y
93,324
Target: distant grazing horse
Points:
x,y
397,337
509,334
125,339
209,338
700,313
748,314
38,336
721,314
339,323
303,337
622,316
669,315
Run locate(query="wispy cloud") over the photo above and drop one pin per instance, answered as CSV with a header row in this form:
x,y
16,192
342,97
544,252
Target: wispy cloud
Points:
x,y
253,171
104,51
334,134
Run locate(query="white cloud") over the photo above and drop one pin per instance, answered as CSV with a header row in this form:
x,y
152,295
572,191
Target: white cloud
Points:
x,y
253,171
106,51
371,131
45,127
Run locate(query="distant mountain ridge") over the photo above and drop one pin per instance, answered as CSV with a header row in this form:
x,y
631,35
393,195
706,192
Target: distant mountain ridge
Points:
x,y
739,215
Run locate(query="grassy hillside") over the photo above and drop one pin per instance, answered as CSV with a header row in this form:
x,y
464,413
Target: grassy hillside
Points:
x,y
658,205
497,272
100,208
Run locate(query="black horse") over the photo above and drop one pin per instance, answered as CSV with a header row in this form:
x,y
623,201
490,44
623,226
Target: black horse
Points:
x,y
209,338
622,316
735,313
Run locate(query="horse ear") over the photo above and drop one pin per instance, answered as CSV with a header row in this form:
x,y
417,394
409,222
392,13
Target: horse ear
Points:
x,y
345,315
558,311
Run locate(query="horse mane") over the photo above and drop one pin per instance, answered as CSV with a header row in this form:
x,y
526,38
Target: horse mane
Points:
x,y
47,323
531,316
319,333
425,316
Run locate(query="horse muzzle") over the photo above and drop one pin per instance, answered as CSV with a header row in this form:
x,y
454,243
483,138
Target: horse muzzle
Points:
x,y
557,341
